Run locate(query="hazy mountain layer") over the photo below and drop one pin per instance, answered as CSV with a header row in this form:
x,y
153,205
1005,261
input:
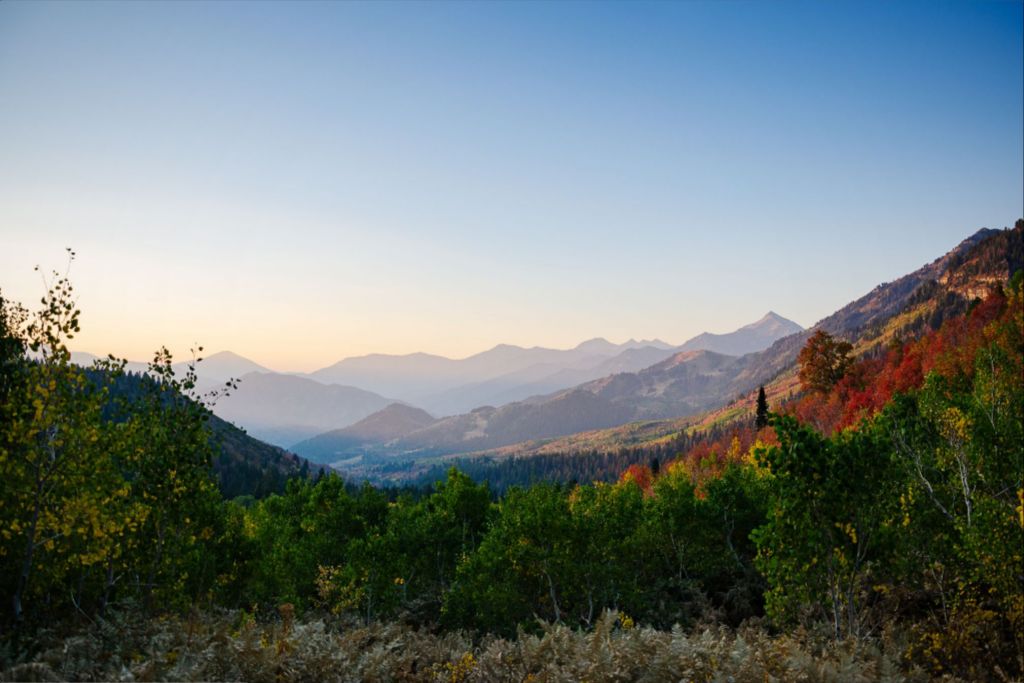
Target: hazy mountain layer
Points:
x,y
748,339
284,409
682,384
508,373
425,379
212,371
388,424
689,382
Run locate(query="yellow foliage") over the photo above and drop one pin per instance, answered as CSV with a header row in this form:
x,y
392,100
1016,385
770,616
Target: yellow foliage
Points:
x,y
459,671
1020,507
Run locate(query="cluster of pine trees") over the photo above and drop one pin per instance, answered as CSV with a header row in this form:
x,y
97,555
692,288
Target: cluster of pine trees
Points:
x,y
567,467
889,495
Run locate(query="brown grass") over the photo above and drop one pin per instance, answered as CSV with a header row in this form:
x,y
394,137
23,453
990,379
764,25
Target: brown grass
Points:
x,y
236,646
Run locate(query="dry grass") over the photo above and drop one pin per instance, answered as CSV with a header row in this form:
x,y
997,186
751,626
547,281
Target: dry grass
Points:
x,y
234,646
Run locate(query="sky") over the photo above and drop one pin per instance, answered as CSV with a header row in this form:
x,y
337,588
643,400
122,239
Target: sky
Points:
x,y
303,182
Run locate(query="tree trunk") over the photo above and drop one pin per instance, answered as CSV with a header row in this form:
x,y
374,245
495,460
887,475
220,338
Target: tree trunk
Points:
x,y
30,548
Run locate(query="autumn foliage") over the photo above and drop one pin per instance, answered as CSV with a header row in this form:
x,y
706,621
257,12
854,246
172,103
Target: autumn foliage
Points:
x,y
887,501
867,385
823,361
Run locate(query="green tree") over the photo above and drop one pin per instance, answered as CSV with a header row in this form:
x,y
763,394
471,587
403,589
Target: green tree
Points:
x,y
411,562
169,464
58,483
959,440
523,566
833,503
311,529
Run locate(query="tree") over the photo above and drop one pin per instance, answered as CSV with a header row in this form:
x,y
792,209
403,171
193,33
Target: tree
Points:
x,y
823,361
833,503
761,421
60,509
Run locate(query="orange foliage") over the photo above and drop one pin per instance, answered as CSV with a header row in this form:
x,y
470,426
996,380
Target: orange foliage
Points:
x,y
863,391
871,383
641,475
708,459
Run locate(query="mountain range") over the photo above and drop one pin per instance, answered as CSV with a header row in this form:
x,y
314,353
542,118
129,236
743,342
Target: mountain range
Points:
x,y
688,382
521,399
285,409
446,386
211,371
638,382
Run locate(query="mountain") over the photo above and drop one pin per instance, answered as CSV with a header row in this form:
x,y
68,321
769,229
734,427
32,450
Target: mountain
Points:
x,y
86,360
906,306
278,408
686,382
222,366
247,466
690,382
387,424
507,373
243,465
488,427
551,399
285,409
542,378
748,339
212,370
422,378
682,384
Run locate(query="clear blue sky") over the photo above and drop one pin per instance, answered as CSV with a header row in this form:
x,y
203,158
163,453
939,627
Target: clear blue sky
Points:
x,y
301,182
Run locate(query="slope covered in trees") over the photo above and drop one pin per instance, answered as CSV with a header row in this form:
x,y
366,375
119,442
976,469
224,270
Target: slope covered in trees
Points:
x,y
883,512
242,465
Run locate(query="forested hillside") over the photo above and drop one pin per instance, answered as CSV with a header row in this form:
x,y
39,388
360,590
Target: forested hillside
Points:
x,y
878,513
243,466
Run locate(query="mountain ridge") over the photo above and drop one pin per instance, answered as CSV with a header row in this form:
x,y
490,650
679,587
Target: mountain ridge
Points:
x,y
750,338
691,381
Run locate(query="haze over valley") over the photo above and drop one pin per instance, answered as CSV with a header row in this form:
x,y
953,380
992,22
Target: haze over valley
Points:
x,y
288,408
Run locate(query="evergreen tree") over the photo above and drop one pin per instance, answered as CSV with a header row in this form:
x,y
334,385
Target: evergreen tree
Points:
x,y
761,421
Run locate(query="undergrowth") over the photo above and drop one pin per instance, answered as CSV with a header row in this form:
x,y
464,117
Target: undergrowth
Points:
x,y
227,645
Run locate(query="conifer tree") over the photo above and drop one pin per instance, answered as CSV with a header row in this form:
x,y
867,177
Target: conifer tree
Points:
x,y
761,421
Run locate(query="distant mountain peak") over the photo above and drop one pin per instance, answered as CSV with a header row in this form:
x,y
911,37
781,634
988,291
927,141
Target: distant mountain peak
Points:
x,y
751,338
222,365
227,355
597,345
773,318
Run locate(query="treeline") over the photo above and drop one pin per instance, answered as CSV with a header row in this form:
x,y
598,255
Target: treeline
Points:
x,y
502,473
889,497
